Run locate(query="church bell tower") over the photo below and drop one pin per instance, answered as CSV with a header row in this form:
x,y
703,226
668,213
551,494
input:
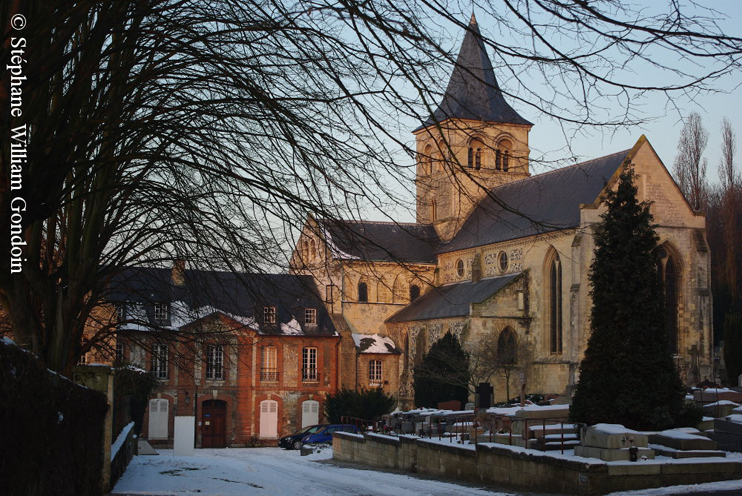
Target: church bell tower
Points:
x,y
473,142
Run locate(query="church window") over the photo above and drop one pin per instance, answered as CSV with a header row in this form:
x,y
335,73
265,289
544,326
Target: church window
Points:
x,y
414,292
440,155
502,160
470,160
460,267
670,276
427,160
503,261
506,347
555,305
478,159
362,292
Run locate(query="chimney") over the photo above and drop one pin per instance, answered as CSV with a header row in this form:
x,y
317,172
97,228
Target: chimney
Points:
x,y
178,277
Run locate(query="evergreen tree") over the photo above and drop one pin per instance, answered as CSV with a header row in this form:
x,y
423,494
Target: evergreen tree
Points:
x,y
733,346
363,404
443,374
627,375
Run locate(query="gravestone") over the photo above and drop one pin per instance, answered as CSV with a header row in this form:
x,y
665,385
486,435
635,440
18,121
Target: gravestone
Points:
x,y
614,442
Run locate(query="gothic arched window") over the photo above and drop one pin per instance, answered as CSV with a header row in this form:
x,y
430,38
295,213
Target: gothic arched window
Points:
x,y
670,274
555,304
506,347
362,292
414,292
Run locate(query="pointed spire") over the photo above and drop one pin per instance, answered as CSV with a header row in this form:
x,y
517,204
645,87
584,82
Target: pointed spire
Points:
x,y
473,92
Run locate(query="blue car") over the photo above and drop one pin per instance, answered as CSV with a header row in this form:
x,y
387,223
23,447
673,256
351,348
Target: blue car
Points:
x,y
324,435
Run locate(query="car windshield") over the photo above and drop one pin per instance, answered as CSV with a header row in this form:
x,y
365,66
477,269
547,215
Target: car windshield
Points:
x,y
310,429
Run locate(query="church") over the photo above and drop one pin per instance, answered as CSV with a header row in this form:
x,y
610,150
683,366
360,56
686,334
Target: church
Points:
x,y
497,256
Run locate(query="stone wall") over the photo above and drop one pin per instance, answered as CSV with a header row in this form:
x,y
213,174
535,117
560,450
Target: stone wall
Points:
x,y
507,466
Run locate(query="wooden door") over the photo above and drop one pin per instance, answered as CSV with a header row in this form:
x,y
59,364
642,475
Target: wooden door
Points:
x,y
309,413
214,424
268,418
158,418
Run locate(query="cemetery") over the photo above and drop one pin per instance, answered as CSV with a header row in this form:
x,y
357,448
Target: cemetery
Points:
x,y
537,448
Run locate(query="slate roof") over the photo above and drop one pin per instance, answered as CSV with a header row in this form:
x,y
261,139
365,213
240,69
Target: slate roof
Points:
x,y
240,296
381,241
537,204
473,92
451,300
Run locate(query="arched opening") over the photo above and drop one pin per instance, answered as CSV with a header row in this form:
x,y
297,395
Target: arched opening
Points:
x,y
554,295
475,156
670,273
502,155
440,155
427,160
506,347
414,292
362,292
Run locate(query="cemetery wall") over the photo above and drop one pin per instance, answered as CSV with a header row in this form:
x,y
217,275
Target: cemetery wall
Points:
x,y
505,466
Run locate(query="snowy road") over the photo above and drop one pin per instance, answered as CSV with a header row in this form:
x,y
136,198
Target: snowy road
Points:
x,y
271,471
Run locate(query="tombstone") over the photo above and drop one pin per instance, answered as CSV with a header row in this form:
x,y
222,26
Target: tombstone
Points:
x,y
483,395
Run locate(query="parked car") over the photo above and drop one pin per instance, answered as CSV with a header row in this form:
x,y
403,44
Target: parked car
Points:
x,y
293,441
324,435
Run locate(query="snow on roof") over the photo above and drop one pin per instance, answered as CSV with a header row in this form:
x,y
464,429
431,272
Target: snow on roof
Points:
x,y
292,328
374,343
737,418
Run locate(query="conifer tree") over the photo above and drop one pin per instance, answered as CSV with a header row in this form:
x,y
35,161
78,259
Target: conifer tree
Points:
x,y
627,375
443,374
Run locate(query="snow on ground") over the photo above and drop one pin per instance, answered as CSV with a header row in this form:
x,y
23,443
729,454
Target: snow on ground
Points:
x,y
277,472
274,472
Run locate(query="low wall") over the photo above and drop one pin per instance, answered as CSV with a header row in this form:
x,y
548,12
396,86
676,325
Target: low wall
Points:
x,y
508,466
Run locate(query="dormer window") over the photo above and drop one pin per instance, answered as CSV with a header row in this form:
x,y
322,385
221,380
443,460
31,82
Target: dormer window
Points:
x,y
310,316
269,315
161,312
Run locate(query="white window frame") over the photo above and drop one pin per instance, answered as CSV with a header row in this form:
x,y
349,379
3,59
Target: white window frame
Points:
x,y
120,351
269,364
310,316
215,362
309,364
160,361
269,315
375,372
161,312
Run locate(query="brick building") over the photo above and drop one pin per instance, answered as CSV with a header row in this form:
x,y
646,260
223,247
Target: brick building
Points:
x,y
250,356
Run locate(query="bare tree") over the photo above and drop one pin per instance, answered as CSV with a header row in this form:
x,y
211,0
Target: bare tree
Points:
x,y
153,130
690,166
501,354
729,186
